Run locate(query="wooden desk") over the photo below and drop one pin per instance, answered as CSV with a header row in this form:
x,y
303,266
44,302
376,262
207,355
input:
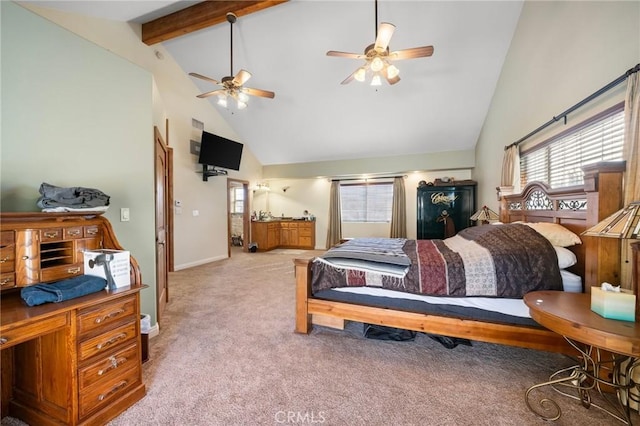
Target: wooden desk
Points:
x,y
570,315
76,362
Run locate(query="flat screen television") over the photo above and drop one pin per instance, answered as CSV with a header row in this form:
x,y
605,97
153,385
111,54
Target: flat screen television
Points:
x,y
220,152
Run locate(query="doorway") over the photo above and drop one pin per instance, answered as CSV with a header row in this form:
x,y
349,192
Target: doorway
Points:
x,y
163,195
238,216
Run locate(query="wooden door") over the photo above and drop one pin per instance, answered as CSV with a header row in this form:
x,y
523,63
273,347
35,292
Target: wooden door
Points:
x,y
162,207
232,185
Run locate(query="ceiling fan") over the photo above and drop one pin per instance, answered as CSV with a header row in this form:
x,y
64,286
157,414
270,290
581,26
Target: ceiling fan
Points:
x,y
378,58
232,86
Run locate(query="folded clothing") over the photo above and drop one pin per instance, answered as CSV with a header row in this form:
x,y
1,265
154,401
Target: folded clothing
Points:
x,y
76,197
62,290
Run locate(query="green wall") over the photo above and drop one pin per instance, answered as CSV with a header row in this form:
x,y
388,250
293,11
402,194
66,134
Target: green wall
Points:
x,y
75,114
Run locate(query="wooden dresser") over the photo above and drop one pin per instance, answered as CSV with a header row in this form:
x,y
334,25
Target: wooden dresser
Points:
x,y
77,362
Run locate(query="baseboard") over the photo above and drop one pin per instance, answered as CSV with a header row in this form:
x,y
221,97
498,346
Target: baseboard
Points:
x,y
154,331
198,263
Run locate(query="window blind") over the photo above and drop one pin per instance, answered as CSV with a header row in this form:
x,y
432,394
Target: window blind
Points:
x,y
559,161
366,202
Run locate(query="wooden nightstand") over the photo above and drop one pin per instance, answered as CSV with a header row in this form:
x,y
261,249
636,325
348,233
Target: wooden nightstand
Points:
x,y
570,315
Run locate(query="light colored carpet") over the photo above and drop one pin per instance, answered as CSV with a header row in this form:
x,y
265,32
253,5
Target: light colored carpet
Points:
x,y
295,252
227,355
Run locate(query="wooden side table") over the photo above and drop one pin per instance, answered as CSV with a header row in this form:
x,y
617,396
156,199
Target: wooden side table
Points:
x,y
570,315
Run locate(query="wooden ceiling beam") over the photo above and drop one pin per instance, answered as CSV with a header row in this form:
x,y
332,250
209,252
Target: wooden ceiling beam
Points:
x,y
199,16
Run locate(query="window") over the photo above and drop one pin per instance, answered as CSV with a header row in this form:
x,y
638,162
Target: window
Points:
x,y
366,202
237,200
558,161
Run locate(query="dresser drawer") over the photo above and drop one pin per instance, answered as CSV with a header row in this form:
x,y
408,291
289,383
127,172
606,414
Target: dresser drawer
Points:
x,y
7,280
15,335
57,273
109,367
103,392
51,234
91,231
7,258
72,233
118,311
107,341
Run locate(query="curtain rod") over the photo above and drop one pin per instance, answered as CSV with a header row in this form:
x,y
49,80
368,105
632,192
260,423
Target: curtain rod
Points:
x,y
367,178
564,114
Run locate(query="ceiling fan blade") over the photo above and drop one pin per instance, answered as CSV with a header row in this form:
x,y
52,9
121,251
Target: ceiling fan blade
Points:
x,y
416,52
258,92
385,31
350,78
200,76
213,92
345,55
241,77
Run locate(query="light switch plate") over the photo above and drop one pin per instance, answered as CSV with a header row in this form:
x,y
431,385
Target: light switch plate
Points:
x,y
124,214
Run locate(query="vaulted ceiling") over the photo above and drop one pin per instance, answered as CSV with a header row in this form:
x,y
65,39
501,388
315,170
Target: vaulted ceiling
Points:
x,y
439,105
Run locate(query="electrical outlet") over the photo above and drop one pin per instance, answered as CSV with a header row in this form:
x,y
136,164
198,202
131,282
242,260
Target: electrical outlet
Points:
x,y
124,214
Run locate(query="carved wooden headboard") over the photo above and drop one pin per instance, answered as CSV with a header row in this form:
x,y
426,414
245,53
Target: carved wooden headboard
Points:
x,y
577,208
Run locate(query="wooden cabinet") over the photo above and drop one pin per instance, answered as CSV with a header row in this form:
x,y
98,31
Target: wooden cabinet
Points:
x,y
284,234
36,255
458,199
76,362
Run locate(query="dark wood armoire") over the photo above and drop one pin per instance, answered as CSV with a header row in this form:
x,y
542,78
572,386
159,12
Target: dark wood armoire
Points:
x,y
444,208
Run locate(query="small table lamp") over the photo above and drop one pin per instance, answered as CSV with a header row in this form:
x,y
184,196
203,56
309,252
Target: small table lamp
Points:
x,y
485,214
623,225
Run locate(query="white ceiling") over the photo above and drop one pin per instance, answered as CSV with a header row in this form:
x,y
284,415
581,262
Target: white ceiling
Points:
x,y
439,105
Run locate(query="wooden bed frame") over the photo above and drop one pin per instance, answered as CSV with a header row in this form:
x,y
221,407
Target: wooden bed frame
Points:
x,y
576,208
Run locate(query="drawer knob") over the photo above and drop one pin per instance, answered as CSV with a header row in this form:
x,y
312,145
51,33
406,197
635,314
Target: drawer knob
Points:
x,y
4,259
73,270
74,233
114,363
111,341
50,234
109,315
3,340
113,390
4,282
25,257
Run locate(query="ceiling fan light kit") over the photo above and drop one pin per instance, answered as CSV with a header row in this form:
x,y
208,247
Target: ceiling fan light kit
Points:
x,y
233,86
378,58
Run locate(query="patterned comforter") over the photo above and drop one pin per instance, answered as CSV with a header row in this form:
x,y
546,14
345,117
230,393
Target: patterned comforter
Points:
x,y
491,261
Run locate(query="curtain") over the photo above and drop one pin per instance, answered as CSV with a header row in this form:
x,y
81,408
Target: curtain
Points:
x,y
632,138
510,162
334,234
399,210
631,152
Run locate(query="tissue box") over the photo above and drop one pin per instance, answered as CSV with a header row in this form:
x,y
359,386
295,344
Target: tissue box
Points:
x,y
119,266
614,305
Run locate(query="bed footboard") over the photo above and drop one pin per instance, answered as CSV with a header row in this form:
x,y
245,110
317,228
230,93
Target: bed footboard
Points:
x,y
505,334
303,291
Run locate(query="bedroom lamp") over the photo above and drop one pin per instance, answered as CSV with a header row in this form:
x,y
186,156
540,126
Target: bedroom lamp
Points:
x,y
623,224
485,214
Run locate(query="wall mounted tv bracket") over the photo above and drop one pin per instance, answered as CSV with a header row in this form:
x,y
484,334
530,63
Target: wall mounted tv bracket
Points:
x,y
207,172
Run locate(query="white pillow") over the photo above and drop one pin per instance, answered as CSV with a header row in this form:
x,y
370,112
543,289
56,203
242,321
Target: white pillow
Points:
x,y
557,235
566,257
